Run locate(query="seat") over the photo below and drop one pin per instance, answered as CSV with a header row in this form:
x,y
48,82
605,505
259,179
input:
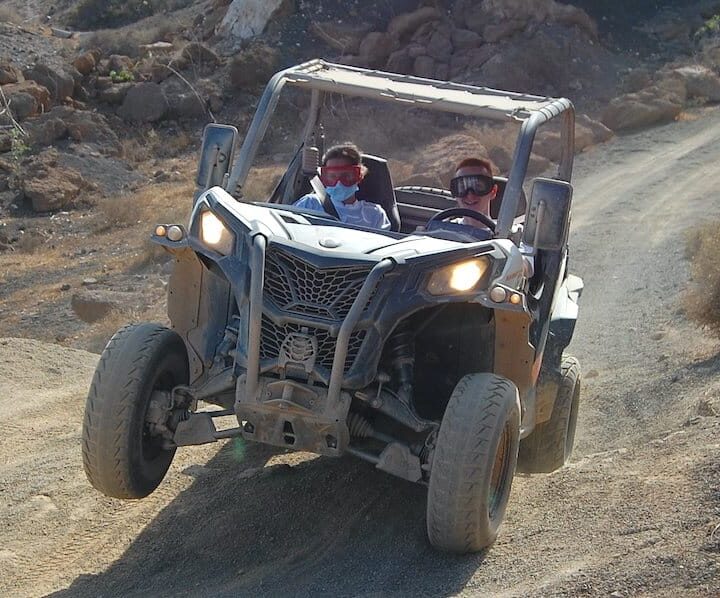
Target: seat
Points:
x,y
377,188
501,182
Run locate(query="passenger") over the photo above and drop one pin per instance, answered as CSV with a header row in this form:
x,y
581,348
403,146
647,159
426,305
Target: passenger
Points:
x,y
473,188
341,171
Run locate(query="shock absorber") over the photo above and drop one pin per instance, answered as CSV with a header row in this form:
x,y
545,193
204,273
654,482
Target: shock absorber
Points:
x,y
402,357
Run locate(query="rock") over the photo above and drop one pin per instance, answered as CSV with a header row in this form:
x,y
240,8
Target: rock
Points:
x,y
700,82
157,48
94,305
254,66
144,103
439,47
45,130
6,142
400,62
344,37
58,81
85,63
423,179
22,105
424,67
245,19
9,74
463,39
120,63
183,103
49,187
495,32
599,132
200,56
89,282
37,91
636,80
92,127
479,56
376,48
115,94
459,64
635,110
405,25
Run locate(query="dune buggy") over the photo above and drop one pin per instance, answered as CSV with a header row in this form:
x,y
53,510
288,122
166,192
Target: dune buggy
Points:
x,y
433,350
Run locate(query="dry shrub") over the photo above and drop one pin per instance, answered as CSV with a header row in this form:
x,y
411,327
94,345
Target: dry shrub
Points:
x,y
163,202
703,300
261,182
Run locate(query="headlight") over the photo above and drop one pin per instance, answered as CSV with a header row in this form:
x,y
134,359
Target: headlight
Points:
x,y
215,234
458,278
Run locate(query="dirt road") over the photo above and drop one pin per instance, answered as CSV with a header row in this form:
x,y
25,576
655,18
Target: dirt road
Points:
x,y
636,512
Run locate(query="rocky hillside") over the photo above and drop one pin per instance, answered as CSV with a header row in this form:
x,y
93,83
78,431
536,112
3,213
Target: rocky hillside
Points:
x,y
103,101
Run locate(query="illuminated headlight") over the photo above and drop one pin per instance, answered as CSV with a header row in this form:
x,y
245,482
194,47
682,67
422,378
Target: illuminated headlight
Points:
x,y
458,278
215,234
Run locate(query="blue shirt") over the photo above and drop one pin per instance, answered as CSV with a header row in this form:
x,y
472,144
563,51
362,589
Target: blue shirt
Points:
x,y
359,213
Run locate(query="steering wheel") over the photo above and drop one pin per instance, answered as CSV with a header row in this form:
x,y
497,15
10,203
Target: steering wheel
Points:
x,y
455,212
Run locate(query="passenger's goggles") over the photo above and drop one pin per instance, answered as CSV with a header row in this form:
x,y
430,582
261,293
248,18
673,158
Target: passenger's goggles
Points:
x,y
478,184
347,175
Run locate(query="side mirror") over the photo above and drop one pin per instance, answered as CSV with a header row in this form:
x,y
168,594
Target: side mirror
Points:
x,y
548,215
216,155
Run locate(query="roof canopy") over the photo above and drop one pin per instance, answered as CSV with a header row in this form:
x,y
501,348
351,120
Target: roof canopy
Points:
x,y
423,93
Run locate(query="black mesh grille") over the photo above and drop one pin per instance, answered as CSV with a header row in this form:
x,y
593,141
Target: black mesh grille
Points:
x,y
273,336
297,287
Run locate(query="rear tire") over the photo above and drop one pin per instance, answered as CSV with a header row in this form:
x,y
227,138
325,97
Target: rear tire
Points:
x,y
550,444
121,458
473,464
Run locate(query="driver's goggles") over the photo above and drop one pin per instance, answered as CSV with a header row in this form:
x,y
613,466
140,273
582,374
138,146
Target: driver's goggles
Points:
x,y
477,184
347,175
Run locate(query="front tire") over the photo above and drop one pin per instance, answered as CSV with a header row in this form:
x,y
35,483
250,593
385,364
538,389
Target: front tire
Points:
x,y
473,464
550,444
122,459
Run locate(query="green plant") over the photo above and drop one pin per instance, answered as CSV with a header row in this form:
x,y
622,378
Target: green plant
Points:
x,y
18,148
121,76
710,27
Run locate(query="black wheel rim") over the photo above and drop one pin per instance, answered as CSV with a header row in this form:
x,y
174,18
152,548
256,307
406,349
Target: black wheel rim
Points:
x,y
152,444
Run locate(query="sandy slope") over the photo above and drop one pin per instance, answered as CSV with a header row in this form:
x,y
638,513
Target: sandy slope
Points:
x,y
634,512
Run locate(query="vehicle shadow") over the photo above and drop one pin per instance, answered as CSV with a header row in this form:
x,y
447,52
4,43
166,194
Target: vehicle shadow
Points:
x,y
325,526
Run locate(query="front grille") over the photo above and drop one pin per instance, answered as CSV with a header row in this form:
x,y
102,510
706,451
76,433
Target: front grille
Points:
x,y
273,336
299,288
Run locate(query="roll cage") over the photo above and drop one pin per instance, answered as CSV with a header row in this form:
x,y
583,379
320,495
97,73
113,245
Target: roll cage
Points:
x,y
321,77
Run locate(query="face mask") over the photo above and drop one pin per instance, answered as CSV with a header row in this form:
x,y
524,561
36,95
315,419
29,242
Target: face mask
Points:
x,y
339,193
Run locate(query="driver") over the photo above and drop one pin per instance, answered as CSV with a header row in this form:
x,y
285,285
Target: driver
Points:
x,y
473,188
341,171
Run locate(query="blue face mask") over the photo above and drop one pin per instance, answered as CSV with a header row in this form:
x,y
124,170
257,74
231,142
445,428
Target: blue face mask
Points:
x,y
339,193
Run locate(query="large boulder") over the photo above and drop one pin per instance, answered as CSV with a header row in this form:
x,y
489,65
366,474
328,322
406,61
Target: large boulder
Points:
x,y
246,19
49,187
9,74
85,63
650,106
254,66
60,82
700,82
22,107
404,25
344,37
144,103
376,48
185,103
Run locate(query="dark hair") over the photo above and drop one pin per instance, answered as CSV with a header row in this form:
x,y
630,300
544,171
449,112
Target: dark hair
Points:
x,y
478,162
348,151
